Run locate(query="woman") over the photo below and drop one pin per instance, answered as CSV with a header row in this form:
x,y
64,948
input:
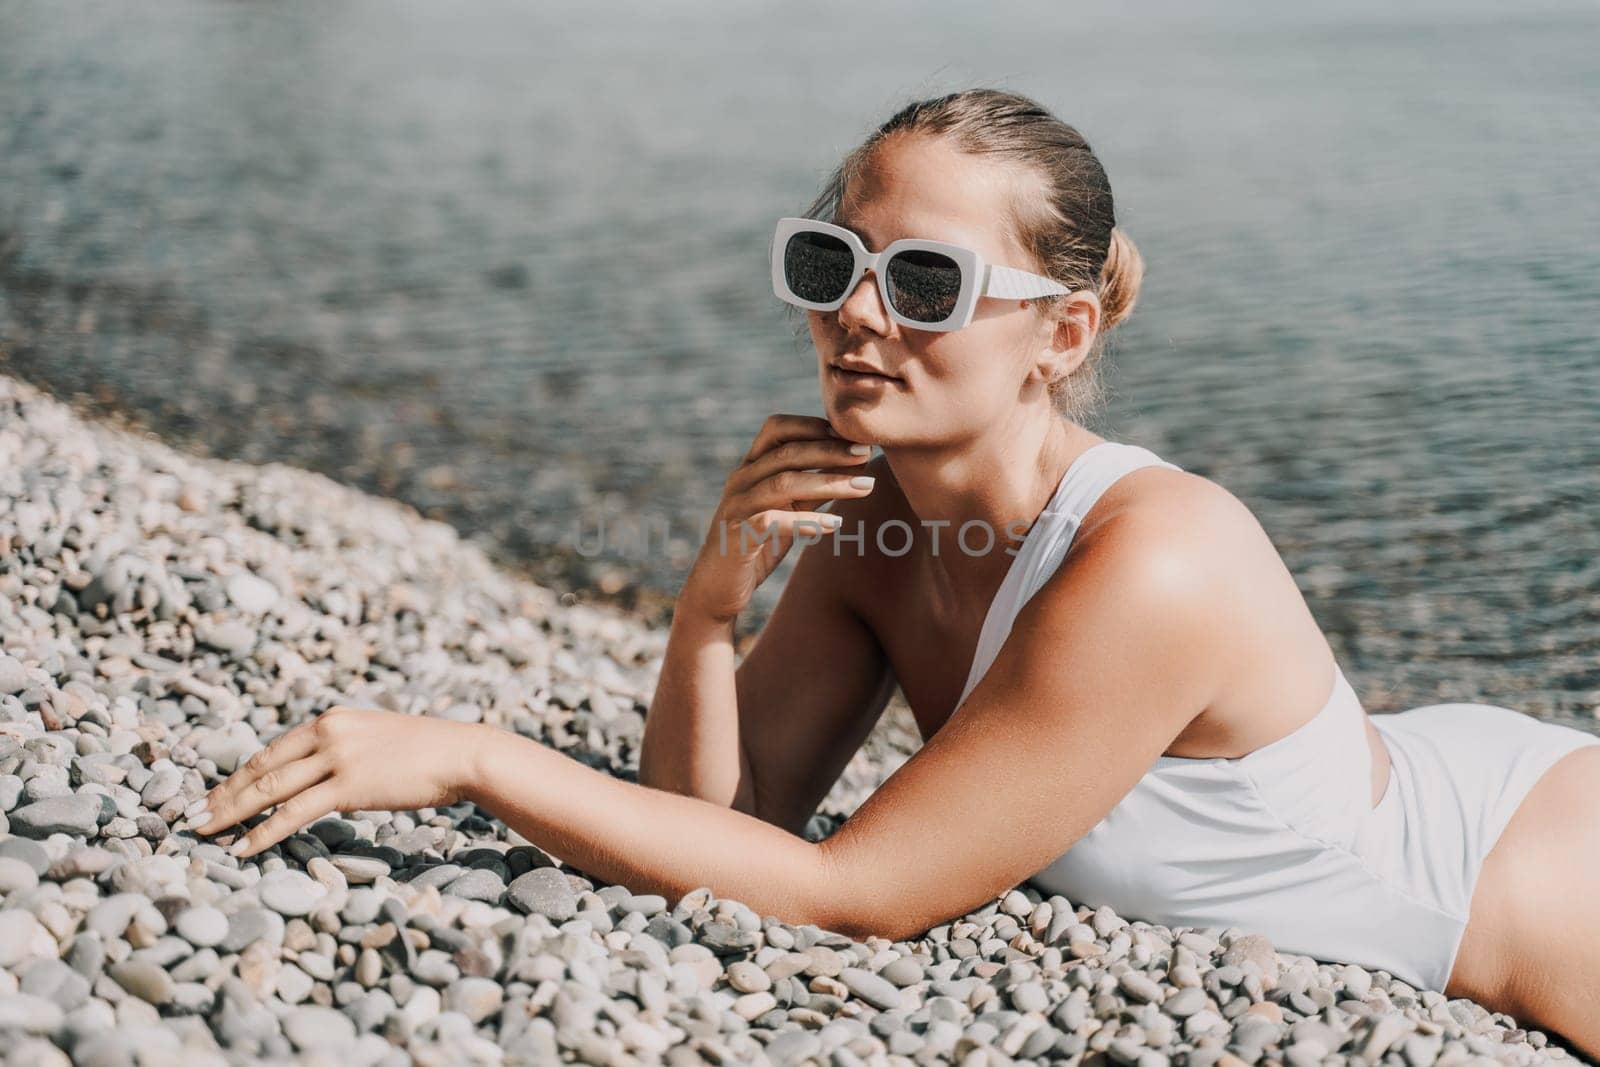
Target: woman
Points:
x,y
1123,695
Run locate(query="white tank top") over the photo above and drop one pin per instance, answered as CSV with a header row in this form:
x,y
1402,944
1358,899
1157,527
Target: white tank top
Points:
x,y
1047,541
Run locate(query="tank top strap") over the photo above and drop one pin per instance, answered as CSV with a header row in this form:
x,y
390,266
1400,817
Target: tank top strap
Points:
x,y
1047,540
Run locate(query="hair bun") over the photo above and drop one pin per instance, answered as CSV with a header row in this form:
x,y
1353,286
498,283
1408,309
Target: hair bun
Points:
x,y
1120,279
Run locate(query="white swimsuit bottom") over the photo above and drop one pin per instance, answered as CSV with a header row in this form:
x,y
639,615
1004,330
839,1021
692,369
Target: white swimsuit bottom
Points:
x,y
1458,774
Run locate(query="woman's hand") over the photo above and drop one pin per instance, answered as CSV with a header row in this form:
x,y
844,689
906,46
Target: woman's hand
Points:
x,y
346,759
766,502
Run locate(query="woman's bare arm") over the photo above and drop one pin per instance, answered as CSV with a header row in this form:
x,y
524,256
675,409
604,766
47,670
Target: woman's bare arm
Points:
x,y
770,736
814,684
697,737
691,742
650,840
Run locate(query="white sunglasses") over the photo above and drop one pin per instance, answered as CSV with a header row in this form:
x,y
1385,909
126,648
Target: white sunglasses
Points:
x,y
926,285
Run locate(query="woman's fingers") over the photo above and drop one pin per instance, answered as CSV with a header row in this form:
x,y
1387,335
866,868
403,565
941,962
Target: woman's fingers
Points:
x,y
722,581
294,814
277,786
787,488
780,427
812,453
296,743
779,527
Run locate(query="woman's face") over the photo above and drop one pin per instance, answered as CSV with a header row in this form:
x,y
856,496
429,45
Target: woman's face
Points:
x,y
937,387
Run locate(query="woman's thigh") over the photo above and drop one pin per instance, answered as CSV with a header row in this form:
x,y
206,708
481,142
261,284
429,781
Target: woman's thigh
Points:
x,y
1532,942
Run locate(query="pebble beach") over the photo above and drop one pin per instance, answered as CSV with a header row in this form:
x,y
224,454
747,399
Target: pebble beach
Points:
x,y
162,616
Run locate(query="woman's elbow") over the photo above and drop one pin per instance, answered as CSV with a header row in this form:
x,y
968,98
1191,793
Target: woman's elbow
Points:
x,y
859,927
850,907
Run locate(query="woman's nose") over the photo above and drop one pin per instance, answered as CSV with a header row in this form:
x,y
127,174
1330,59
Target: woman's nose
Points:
x,y
864,306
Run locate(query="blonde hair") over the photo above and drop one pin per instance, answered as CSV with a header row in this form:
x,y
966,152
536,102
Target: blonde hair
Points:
x,y
1066,221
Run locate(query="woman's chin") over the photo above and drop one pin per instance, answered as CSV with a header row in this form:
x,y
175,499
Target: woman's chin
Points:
x,y
851,424
858,409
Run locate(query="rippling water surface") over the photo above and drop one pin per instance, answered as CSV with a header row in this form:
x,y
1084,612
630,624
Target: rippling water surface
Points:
x,y
506,262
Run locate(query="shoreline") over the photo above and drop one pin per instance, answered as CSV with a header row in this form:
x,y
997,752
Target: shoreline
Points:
x,y
562,569
162,614
636,588
605,585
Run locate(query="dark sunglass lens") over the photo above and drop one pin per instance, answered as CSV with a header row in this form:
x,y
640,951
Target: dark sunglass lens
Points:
x,y
924,285
817,266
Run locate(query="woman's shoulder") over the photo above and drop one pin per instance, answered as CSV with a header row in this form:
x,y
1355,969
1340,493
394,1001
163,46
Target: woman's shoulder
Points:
x,y
1167,505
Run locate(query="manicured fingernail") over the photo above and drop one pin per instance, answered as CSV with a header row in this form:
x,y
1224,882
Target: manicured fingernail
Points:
x,y
239,847
861,449
197,807
863,481
200,820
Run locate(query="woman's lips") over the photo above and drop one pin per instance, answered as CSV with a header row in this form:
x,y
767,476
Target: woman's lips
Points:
x,y
850,377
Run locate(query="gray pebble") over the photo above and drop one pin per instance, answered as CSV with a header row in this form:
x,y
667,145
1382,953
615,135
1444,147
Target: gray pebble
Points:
x,y
438,876
871,988
477,884
746,977
252,925
1357,981
234,637
360,870
203,927
544,891
314,1027
28,1013
16,876
1140,987
903,972
1385,1030
1184,1003
30,852
84,862
13,675
78,814
162,787
290,893
251,595
19,932
1420,1050
476,998
1030,996
793,1046
435,968
56,980
361,906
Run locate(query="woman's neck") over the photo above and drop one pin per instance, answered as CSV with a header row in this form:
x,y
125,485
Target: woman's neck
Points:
x,y
1001,483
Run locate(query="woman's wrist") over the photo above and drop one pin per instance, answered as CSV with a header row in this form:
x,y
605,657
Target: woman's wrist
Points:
x,y
687,609
482,761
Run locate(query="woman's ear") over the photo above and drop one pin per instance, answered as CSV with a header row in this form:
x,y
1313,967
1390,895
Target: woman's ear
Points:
x,y
1078,321
1074,322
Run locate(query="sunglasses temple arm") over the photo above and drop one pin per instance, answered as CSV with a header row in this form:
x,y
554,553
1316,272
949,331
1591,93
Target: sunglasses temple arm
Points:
x,y
1008,283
